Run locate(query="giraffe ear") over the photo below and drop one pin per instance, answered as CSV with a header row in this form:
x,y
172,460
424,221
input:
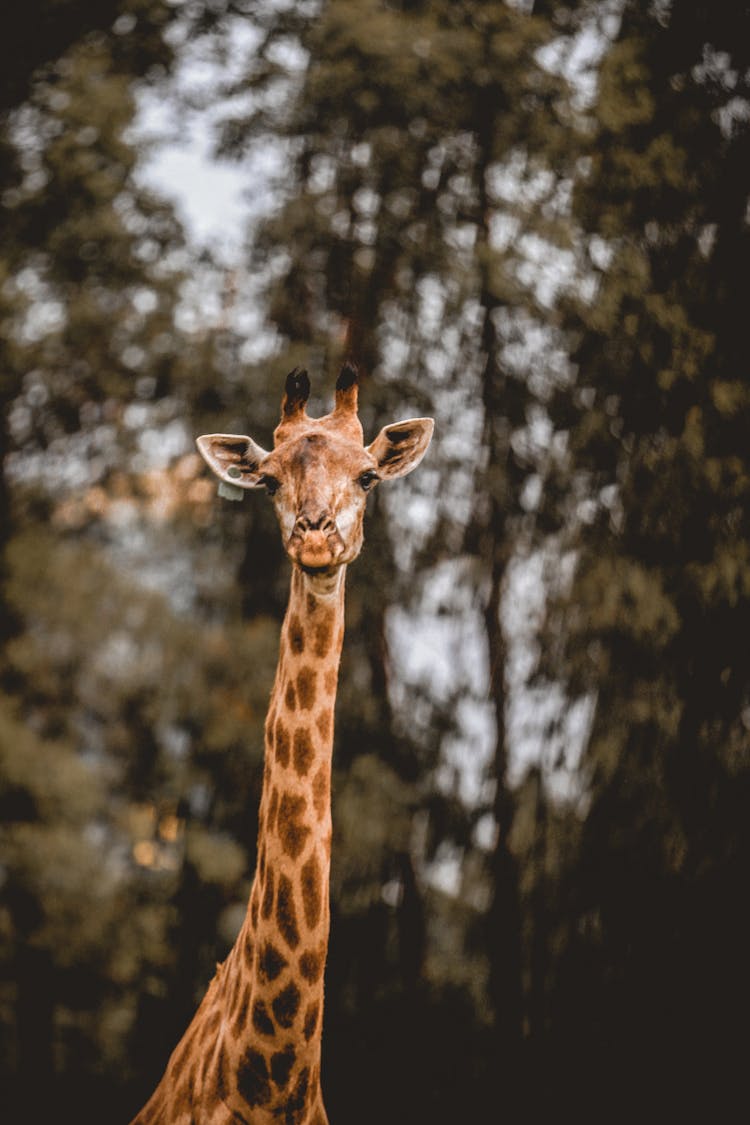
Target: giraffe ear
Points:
x,y
400,447
234,458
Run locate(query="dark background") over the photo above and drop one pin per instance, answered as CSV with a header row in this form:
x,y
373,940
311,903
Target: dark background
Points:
x,y
530,221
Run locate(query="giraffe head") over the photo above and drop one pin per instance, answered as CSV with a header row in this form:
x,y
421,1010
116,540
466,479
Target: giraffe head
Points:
x,y
319,471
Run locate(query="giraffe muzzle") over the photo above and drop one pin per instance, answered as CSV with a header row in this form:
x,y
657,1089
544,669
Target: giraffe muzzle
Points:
x,y
315,550
316,544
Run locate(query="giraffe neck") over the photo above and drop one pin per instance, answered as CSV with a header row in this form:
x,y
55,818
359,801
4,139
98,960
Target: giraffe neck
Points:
x,y
251,1055
284,941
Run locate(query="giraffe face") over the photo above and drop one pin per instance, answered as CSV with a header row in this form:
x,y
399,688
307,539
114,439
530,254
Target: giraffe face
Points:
x,y
320,482
319,472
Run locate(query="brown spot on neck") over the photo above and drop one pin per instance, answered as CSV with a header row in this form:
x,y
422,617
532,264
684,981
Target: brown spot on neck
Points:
x,y
312,1014
298,1099
282,743
296,636
286,1005
323,638
311,964
286,915
262,1022
290,697
281,1065
290,825
241,1015
324,723
306,681
303,751
312,888
321,790
267,906
253,1079
271,962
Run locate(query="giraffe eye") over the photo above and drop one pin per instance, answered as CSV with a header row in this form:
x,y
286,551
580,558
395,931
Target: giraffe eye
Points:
x,y
368,479
271,484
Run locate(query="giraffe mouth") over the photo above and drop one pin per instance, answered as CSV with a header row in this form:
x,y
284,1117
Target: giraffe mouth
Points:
x,y
317,571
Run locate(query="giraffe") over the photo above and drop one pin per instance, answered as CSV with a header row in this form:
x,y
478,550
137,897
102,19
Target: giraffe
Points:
x,y
252,1052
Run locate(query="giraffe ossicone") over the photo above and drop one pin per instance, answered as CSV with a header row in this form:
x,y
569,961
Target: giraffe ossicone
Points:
x,y
252,1051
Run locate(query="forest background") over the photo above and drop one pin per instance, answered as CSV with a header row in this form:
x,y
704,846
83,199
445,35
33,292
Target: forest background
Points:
x,y
529,220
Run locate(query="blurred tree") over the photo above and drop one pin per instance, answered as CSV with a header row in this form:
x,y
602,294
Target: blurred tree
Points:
x,y
45,29
125,855
42,33
91,261
656,619
516,120
104,688
414,132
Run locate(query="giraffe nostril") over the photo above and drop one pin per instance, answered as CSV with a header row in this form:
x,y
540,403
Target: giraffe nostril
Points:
x,y
322,522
